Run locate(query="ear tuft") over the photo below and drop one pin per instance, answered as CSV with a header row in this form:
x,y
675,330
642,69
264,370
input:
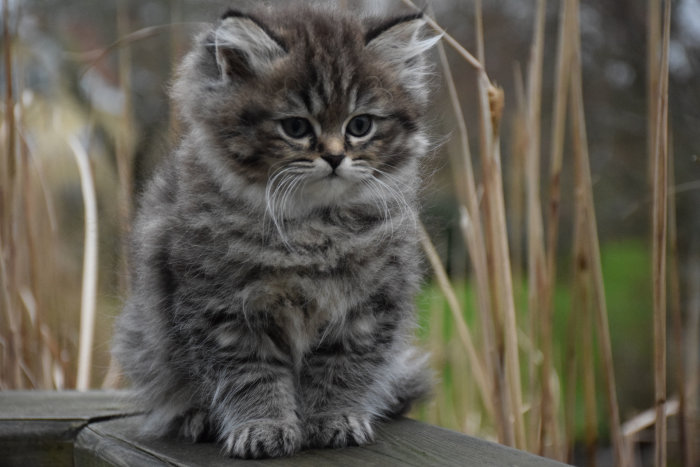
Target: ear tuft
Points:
x,y
376,31
231,13
400,43
399,40
243,44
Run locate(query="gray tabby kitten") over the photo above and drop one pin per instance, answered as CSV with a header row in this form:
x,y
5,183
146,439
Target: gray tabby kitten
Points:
x,y
275,257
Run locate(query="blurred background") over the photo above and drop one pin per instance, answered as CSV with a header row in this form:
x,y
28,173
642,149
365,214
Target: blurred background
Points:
x,y
89,79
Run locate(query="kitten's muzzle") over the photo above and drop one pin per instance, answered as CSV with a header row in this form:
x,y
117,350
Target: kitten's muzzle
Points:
x,y
334,160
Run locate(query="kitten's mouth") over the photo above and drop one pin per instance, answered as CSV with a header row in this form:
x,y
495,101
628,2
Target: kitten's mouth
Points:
x,y
333,175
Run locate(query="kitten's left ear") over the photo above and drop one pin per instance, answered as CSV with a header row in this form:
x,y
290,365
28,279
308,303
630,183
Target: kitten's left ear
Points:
x,y
400,43
243,44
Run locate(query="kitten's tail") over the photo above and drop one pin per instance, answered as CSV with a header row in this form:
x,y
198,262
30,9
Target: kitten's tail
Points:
x,y
411,381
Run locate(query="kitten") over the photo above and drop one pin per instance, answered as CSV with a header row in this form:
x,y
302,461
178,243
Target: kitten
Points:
x,y
274,254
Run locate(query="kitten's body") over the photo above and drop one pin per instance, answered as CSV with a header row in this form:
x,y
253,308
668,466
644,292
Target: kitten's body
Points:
x,y
273,280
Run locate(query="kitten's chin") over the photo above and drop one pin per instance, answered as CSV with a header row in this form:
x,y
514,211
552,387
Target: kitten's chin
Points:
x,y
329,191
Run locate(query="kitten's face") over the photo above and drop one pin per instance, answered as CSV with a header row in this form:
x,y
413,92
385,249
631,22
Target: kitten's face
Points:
x,y
318,107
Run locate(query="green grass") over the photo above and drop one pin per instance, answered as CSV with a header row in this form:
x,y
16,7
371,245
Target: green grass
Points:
x,y
627,274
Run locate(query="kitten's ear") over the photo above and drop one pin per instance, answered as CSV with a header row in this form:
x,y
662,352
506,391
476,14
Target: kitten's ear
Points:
x,y
243,44
400,42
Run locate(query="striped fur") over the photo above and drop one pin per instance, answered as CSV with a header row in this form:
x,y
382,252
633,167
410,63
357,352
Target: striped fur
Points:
x,y
272,294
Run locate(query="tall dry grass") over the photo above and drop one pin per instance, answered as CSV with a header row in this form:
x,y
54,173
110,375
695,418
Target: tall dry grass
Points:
x,y
47,330
551,422
90,266
660,240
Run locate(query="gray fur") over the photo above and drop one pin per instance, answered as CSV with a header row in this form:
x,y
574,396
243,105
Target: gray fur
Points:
x,y
272,302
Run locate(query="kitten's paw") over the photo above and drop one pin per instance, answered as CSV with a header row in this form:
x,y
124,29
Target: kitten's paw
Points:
x,y
194,425
339,430
263,438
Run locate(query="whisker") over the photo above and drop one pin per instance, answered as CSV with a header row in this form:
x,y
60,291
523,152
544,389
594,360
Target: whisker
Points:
x,y
274,185
286,194
386,213
397,195
280,189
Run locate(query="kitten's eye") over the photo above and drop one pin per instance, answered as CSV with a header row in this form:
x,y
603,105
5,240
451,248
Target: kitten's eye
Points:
x,y
359,126
296,127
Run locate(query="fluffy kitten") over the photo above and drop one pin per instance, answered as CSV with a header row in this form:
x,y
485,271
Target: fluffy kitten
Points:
x,y
275,255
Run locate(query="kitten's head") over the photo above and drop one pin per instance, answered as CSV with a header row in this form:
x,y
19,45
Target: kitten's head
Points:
x,y
317,106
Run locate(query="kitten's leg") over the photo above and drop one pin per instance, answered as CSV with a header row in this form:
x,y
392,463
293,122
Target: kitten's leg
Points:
x,y
348,380
336,381
253,403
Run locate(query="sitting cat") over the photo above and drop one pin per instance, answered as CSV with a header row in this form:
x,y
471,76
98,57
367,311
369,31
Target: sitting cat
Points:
x,y
275,252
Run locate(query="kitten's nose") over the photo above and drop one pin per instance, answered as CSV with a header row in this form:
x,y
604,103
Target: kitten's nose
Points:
x,y
333,159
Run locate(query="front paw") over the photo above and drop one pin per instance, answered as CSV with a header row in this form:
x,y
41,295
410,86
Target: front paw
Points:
x,y
263,438
194,425
339,430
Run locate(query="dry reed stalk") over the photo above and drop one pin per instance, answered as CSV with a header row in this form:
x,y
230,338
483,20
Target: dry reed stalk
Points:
x,y
676,316
692,386
577,333
491,107
42,230
123,152
659,239
517,195
572,348
447,38
436,343
473,235
36,349
9,160
479,28
89,287
37,355
582,312
124,143
557,136
556,162
462,327
46,193
10,209
491,102
512,363
583,184
647,419
537,282
589,397
486,123
479,248
91,57
487,211
653,41
52,352
5,346
516,191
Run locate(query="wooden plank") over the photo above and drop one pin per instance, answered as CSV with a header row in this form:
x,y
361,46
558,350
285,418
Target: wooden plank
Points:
x,y
399,443
95,448
99,429
62,405
36,452
38,428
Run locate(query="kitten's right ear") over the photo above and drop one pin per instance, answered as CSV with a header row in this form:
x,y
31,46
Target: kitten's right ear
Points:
x,y
243,44
400,44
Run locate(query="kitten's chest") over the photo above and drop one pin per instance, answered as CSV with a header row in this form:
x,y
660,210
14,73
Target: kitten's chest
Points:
x,y
315,269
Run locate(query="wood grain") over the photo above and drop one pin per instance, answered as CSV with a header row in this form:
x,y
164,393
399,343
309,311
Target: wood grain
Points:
x,y
99,429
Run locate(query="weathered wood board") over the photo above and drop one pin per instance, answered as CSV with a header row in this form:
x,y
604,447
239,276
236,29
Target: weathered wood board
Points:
x,y
39,428
98,429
